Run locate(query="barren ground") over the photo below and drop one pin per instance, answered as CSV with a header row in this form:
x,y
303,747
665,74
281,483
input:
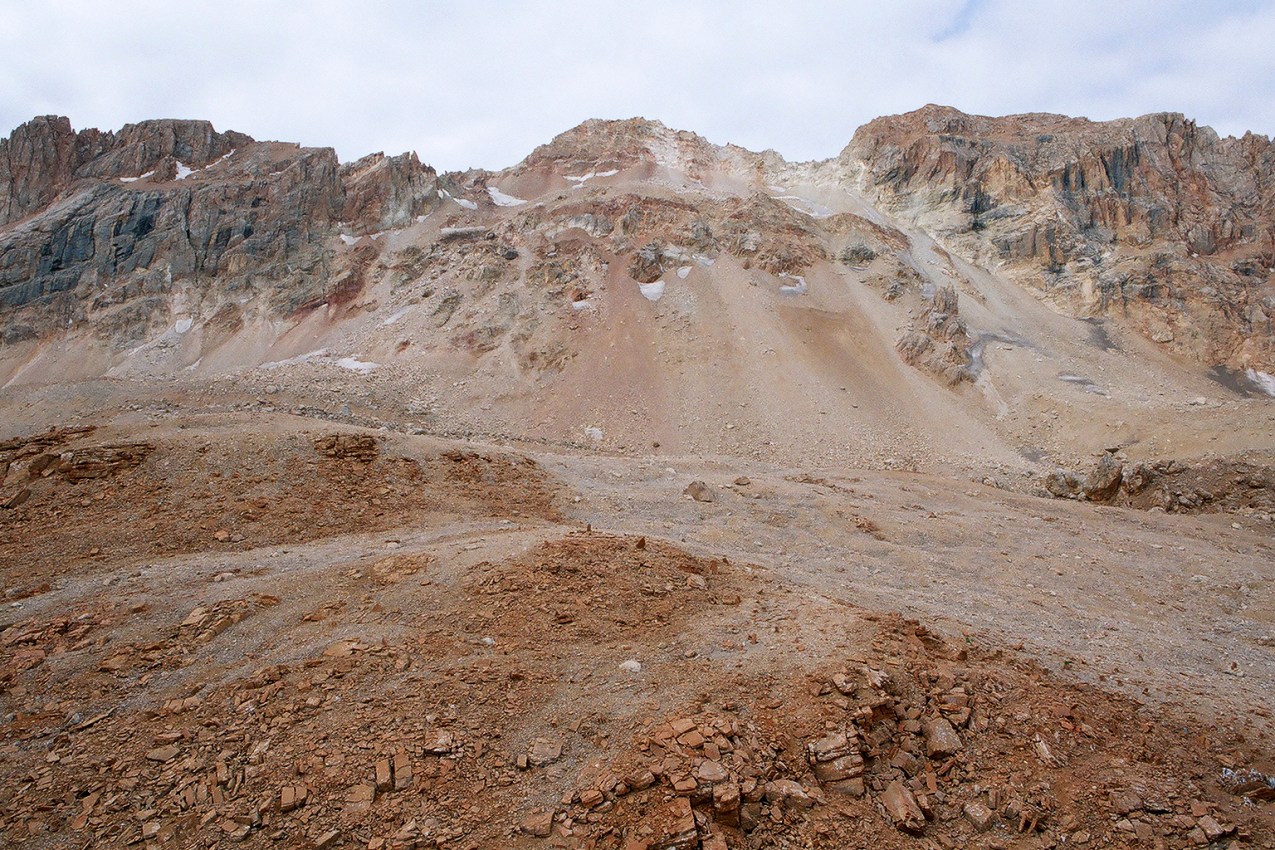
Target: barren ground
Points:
x,y
270,629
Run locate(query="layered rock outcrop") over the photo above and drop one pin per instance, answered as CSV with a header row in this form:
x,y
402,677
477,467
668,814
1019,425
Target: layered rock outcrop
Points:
x,y
109,225
1154,220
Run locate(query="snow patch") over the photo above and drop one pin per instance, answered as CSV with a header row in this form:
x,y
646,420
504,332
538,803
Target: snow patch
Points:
x,y
798,288
349,240
652,291
581,179
466,203
593,433
706,262
183,171
1263,381
805,205
396,315
355,365
293,361
503,200
135,179
683,272
183,325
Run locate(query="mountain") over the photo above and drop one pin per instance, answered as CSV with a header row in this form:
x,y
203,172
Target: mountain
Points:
x,y
650,494
933,294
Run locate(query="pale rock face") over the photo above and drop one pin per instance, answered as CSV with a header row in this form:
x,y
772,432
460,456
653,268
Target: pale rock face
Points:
x,y
95,211
1153,220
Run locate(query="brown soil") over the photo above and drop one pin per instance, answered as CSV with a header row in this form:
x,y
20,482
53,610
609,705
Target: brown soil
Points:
x,y
462,666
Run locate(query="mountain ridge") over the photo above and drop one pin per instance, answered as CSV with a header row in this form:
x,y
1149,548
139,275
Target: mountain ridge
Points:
x,y
896,278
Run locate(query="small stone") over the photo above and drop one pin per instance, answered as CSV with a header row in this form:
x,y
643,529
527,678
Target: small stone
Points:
x,y
440,742
544,751
1212,829
163,754
1125,801
292,797
384,776
789,794
902,807
979,815
941,739
641,781
591,797
538,824
712,771
685,785
402,772
698,491
742,481
631,666
327,839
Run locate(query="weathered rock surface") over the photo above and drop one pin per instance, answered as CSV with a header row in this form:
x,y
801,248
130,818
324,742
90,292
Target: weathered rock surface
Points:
x,y
125,229
1154,220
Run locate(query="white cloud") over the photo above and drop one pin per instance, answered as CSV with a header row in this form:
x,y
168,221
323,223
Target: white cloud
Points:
x,y
482,83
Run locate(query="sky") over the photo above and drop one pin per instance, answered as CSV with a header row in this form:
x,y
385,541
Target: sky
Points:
x,y
481,83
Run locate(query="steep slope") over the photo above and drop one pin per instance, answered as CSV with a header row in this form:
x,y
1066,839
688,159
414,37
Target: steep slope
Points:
x,y
1154,220
627,287
169,221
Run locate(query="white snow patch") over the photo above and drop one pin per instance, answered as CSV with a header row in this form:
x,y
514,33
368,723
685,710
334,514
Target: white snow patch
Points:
x,y
349,240
135,179
183,325
503,200
421,218
593,433
293,361
704,261
355,365
1263,381
805,205
798,288
777,189
396,315
183,171
581,179
683,272
652,291
466,203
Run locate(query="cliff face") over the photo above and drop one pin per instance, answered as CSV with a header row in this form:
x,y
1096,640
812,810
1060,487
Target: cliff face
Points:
x,y
107,226
1154,220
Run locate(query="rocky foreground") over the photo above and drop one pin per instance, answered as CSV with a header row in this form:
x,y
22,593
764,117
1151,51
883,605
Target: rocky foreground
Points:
x,y
293,637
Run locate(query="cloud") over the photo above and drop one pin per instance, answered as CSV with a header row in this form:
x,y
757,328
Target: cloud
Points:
x,y
481,83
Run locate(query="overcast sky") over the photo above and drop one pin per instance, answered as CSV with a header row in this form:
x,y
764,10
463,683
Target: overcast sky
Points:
x,y
472,83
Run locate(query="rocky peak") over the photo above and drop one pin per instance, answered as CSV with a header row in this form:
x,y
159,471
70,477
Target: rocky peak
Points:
x,y
145,146
601,145
1155,218
382,191
35,161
